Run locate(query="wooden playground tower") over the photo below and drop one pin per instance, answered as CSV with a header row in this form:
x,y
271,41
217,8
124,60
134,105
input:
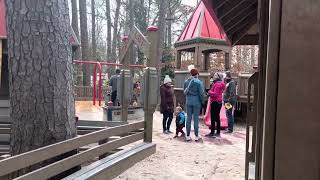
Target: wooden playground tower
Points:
x,y
202,36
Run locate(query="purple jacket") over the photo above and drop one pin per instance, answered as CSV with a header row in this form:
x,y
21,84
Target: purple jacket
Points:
x,y
216,91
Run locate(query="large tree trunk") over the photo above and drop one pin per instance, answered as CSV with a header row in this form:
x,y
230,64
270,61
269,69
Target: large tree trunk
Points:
x,y
75,26
93,33
161,25
108,29
115,32
84,41
41,90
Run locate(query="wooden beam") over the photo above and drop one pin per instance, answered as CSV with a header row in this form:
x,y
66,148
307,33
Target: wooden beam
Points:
x,y
113,165
243,10
235,23
249,39
244,29
60,166
32,157
220,4
246,23
233,6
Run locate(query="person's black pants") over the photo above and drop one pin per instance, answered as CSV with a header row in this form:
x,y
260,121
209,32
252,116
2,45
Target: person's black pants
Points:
x,y
215,116
179,128
167,119
114,98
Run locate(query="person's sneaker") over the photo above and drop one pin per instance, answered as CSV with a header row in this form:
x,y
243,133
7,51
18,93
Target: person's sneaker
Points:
x,y
165,132
168,131
228,132
217,135
197,138
209,135
188,138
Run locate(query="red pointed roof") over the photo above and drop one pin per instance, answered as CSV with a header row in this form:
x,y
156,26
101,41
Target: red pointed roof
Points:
x,y
203,24
3,32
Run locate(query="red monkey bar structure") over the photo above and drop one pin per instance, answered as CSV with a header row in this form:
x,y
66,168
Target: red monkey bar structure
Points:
x,y
99,66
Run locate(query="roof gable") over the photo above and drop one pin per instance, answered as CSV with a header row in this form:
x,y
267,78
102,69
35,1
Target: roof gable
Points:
x,y
203,24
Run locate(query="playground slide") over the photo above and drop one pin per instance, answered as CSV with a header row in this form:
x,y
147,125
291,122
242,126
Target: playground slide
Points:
x,y
223,117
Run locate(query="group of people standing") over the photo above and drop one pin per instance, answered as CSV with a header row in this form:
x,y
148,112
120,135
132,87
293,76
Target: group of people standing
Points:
x,y
222,93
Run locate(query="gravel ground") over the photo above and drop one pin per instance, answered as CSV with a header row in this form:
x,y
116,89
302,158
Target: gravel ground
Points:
x,y
212,159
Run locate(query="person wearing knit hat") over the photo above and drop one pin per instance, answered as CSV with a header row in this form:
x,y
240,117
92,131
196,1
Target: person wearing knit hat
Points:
x,y
194,92
167,104
167,80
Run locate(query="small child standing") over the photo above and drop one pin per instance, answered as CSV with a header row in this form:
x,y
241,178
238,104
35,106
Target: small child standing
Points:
x,y
180,121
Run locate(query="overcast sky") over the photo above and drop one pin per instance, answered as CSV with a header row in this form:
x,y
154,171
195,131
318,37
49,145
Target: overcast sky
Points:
x,y
190,2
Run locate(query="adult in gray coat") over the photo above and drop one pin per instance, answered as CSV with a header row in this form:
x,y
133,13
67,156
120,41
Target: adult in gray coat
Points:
x,y
230,96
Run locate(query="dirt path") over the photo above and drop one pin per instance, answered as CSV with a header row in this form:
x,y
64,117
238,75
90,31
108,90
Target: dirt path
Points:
x,y
213,159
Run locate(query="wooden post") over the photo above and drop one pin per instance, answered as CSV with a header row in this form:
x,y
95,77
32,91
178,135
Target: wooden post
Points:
x,y
206,62
151,86
125,78
152,38
227,61
178,59
123,85
197,57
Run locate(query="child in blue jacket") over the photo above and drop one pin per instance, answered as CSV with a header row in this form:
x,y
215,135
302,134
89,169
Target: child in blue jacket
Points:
x,y
180,121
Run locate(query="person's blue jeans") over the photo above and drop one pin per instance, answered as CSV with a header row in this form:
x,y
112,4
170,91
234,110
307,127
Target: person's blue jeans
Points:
x,y
229,114
193,111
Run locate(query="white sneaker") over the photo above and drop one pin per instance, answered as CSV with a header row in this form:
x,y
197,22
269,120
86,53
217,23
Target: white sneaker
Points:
x,y
188,138
197,138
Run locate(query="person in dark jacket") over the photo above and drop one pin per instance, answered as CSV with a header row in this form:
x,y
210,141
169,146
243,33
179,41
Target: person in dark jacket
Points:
x,y
114,86
230,97
167,104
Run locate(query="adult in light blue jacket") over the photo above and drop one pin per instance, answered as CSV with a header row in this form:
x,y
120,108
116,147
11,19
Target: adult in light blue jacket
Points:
x,y
194,92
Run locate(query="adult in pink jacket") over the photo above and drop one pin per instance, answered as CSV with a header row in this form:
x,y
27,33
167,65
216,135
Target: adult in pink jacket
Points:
x,y
215,93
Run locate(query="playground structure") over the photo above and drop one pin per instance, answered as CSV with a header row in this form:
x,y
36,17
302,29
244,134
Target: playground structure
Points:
x,y
204,35
108,137
285,38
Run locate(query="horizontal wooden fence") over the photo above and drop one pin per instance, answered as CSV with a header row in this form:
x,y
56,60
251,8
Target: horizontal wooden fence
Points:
x,y
128,133
82,93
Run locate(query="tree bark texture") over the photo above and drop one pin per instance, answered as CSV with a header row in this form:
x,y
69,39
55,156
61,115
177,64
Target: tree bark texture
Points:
x,y
93,33
75,26
109,24
115,32
40,67
84,41
161,25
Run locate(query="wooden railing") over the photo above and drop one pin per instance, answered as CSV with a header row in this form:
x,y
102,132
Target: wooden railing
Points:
x,y
86,92
130,133
251,126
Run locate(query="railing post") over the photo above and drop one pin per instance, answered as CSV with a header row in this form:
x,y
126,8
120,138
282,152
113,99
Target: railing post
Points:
x,y
100,83
123,85
151,84
94,84
124,93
